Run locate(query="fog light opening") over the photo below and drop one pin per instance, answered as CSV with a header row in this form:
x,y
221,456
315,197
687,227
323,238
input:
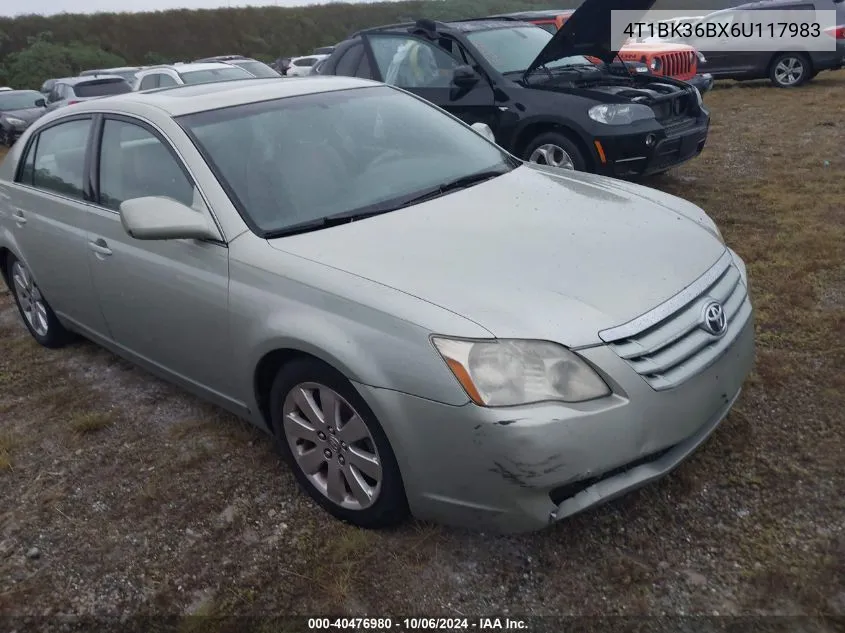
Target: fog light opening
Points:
x,y
650,140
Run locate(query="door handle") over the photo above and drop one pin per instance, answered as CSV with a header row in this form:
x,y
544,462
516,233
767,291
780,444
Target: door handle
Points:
x,y
18,216
100,247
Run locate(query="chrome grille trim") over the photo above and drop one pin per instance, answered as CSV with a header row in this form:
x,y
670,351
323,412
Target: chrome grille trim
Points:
x,y
670,306
667,345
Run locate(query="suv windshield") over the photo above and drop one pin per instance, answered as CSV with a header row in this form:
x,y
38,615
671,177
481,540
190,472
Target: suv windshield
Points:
x,y
513,49
101,88
256,68
19,100
213,74
302,159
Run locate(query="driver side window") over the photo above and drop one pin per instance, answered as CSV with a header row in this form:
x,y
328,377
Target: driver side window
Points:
x,y
410,62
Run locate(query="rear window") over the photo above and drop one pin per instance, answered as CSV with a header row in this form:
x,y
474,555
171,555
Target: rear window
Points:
x,y
102,88
214,74
257,69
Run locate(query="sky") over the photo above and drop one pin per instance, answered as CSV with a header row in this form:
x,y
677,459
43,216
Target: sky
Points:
x,y
48,7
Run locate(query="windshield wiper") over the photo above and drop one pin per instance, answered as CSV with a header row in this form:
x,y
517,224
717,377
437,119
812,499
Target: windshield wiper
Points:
x,y
321,223
379,209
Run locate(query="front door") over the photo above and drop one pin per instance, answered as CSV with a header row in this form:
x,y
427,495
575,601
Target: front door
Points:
x,y
49,214
165,301
426,69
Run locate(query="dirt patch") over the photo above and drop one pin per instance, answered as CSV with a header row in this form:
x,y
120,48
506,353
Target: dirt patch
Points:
x,y
124,495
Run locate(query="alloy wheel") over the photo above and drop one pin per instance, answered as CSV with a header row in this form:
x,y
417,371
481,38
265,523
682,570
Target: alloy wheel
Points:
x,y
552,155
789,71
32,303
332,445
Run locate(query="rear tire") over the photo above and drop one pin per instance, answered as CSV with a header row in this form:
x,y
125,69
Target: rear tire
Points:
x,y
335,445
790,70
37,315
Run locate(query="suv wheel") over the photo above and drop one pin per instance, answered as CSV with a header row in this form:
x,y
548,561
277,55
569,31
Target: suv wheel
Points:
x,y
789,70
555,150
335,446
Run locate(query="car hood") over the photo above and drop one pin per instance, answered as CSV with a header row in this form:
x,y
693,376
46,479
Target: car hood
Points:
x,y
588,32
657,47
530,254
27,114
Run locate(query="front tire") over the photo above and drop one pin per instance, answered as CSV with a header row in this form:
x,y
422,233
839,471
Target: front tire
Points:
x,y
555,150
37,315
790,70
335,445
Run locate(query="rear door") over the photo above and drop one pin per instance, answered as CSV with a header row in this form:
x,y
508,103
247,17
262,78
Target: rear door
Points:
x,y
49,207
426,69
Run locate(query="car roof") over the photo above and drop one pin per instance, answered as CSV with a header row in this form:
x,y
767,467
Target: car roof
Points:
x,y
73,81
468,26
549,14
192,98
191,66
108,70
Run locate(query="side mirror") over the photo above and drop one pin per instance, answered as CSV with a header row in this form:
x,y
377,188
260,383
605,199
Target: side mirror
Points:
x,y
485,131
159,218
40,103
465,77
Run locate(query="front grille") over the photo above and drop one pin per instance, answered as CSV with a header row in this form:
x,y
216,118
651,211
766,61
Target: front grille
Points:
x,y
667,346
672,108
681,65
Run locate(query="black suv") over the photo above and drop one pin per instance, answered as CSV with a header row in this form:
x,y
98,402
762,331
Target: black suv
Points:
x,y
784,69
544,101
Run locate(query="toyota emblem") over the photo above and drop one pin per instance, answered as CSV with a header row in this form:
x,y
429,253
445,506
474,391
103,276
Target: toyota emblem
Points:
x,y
714,319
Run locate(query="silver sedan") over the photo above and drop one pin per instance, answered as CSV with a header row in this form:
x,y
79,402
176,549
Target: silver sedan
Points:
x,y
423,323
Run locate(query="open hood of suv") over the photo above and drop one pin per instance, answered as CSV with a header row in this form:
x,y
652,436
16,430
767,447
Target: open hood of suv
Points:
x,y
587,32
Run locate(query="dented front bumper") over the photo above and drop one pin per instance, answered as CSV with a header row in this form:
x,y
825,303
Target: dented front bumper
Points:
x,y
519,468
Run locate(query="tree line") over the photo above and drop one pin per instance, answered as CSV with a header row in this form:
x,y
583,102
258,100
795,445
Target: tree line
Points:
x,y
34,48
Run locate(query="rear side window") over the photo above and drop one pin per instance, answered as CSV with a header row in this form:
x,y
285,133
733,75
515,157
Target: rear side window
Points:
x,y
102,88
135,163
305,61
59,161
165,81
150,81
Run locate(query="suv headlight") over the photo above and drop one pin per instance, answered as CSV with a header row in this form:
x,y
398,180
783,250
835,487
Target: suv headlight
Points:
x,y
14,121
701,58
506,372
620,113
655,64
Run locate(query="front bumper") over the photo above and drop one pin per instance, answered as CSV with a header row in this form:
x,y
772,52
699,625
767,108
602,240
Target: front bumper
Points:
x,y
629,156
519,469
702,81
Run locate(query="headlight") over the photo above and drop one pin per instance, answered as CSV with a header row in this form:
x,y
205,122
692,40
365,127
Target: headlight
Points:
x,y
655,64
701,58
620,114
508,372
15,121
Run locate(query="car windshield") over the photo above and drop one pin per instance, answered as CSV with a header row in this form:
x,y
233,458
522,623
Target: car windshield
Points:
x,y
301,159
257,69
19,100
213,74
513,49
101,88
